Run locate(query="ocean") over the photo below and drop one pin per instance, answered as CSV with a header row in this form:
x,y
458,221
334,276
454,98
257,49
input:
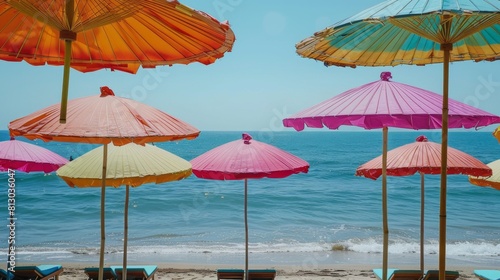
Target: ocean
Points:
x,y
327,216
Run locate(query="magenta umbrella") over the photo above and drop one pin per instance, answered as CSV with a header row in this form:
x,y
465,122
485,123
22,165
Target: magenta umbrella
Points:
x,y
247,159
26,157
21,156
384,104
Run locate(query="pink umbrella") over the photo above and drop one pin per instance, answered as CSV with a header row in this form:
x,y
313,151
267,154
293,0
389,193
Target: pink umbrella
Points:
x,y
423,157
384,104
26,157
247,159
21,156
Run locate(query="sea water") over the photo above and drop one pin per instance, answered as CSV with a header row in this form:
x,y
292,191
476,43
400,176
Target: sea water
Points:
x,y
326,216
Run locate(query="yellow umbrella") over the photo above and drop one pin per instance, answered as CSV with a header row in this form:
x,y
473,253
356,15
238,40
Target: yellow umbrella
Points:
x,y
129,165
491,181
496,133
115,34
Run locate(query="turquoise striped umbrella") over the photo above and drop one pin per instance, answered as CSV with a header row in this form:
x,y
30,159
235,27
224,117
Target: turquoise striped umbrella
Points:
x,y
415,32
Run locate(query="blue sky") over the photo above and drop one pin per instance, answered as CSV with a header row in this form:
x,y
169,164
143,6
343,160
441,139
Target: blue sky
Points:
x,y
256,85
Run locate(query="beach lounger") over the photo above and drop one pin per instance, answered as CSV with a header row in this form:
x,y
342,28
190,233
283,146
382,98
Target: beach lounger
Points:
x,y
93,273
135,272
491,274
3,275
261,274
230,274
38,272
434,275
399,274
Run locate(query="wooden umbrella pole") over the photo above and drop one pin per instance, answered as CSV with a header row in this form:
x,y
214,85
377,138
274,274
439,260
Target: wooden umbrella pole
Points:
x,y
422,206
103,199
444,158
246,231
125,233
385,223
68,38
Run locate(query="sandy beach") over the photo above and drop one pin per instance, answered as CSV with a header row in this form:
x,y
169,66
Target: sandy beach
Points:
x,y
190,272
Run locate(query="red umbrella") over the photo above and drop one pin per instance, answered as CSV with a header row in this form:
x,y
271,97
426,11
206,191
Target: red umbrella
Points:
x,y
101,120
423,157
247,159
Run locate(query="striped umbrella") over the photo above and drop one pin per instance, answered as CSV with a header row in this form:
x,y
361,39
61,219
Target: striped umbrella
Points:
x,y
423,157
247,159
115,34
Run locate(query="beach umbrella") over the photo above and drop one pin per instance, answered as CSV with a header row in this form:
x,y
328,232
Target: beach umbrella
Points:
x,y
129,165
247,159
21,156
117,35
103,119
384,104
496,133
423,157
488,181
415,32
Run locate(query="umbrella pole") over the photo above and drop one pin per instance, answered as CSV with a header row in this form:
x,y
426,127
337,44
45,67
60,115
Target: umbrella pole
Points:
x,y
68,37
422,204
125,233
103,199
246,231
444,159
385,224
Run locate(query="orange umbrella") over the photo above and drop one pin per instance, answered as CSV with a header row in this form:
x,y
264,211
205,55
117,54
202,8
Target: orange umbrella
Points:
x,y
115,34
423,157
103,119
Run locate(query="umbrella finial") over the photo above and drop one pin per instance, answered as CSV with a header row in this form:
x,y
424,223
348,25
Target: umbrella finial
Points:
x,y
422,138
246,138
385,76
106,91
12,138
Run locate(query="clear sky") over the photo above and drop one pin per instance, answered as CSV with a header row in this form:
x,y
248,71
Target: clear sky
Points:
x,y
256,85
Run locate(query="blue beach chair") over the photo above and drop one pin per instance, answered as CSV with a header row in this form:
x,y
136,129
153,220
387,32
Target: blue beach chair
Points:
x,y
135,272
236,274
491,274
4,276
93,273
38,272
399,274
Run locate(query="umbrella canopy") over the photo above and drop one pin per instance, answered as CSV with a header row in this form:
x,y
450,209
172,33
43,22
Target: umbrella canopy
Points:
x,y
413,32
247,159
383,104
102,120
496,133
130,165
119,35
489,181
26,157
423,157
